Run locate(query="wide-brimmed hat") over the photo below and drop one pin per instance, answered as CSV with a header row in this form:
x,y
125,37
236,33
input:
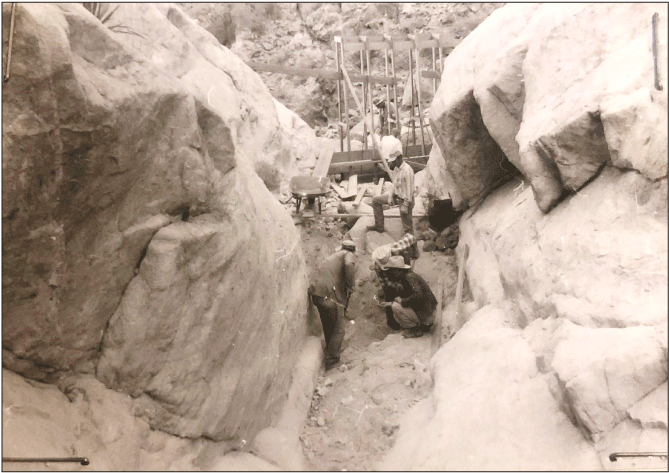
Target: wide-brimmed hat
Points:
x,y
381,255
347,245
396,262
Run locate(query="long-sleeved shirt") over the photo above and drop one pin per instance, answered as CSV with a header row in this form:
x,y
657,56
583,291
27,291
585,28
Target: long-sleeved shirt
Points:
x,y
420,298
403,182
403,245
336,277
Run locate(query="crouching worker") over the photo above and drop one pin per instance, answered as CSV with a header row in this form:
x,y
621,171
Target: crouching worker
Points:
x,y
406,247
330,291
413,305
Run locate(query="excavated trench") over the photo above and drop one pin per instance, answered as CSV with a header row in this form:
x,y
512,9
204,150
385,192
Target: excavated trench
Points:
x,y
356,407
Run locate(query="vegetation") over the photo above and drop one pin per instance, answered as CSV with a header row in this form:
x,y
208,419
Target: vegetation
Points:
x,y
104,13
254,16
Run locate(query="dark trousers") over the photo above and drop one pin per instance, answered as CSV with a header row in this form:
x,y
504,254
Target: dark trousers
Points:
x,y
333,327
406,217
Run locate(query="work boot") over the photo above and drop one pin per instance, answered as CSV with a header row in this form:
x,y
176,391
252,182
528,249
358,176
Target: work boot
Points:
x,y
331,363
374,228
413,333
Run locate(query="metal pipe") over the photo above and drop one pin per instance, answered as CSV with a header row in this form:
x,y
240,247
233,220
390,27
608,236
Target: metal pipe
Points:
x,y
11,42
348,119
364,104
434,68
398,122
656,64
420,107
614,456
413,103
387,93
80,460
341,128
371,97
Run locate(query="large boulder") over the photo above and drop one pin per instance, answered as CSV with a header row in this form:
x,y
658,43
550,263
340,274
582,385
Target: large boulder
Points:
x,y
132,217
491,409
557,121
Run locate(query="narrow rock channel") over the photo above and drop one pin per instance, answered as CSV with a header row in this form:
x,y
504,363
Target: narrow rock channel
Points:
x,y
357,406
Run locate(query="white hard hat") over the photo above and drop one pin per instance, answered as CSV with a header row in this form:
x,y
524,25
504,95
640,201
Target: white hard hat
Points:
x,y
392,146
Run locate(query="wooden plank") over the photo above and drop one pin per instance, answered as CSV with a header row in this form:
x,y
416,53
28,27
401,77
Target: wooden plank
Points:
x,y
430,74
367,165
352,185
341,192
324,215
417,150
323,163
322,73
447,40
458,291
357,155
361,192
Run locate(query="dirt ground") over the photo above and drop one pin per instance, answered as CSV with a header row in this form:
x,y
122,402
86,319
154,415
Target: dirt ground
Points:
x,y
357,405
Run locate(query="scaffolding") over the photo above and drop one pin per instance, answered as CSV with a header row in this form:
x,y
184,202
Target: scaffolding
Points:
x,y
363,161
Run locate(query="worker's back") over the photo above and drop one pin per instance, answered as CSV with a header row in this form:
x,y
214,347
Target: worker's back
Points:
x,y
335,276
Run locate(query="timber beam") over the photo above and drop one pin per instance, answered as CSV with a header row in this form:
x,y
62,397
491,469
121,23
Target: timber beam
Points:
x,y
322,73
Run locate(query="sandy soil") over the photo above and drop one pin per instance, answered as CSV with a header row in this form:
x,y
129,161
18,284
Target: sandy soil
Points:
x,y
356,406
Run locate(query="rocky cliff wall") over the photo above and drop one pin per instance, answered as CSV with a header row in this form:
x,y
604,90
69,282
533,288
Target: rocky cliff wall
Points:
x,y
134,223
562,91
567,265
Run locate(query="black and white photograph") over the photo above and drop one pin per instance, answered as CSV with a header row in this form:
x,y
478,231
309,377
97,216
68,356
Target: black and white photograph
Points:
x,y
335,236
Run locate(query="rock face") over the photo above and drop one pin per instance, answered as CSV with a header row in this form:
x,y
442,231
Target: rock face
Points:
x,y
567,261
133,219
517,428
301,35
558,121
585,288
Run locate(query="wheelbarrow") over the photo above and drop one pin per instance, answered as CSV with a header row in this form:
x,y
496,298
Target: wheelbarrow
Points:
x,y
308,187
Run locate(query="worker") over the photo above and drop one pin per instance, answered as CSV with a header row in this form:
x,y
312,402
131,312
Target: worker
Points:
x,y
407,247
402,192
413,303
330,292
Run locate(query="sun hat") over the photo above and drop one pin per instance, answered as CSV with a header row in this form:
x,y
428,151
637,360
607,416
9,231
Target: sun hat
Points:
x,y
391,146
396,262
381,255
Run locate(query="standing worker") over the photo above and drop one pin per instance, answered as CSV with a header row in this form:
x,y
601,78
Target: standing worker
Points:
x,y
403,187
330,292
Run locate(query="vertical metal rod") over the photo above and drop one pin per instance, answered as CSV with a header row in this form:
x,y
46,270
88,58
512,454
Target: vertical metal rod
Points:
x,y
371,96
441,63
656,64
364,103
398,122
434,68
348,119
385,51
420,107
371,99
339,104
413,103
11,42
